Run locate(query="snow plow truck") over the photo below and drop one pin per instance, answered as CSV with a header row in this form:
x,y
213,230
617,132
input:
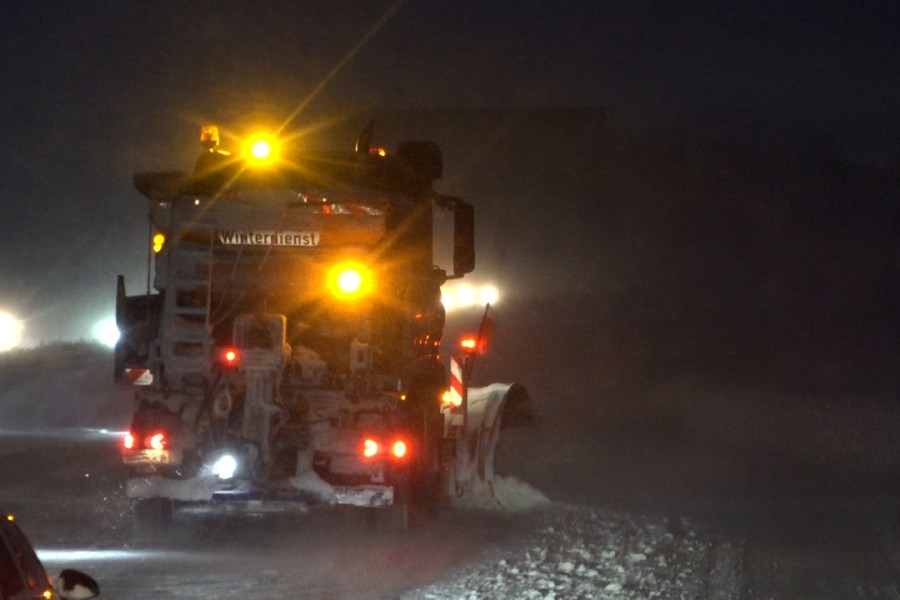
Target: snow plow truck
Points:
x,y
286,351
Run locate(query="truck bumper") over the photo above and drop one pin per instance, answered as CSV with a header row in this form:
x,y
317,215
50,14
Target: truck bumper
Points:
x,y
305,490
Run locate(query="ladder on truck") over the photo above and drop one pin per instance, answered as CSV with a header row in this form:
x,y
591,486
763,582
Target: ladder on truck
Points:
x,y
186,342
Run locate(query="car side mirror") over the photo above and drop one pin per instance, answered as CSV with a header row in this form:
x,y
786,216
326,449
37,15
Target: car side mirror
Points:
x,y
75,585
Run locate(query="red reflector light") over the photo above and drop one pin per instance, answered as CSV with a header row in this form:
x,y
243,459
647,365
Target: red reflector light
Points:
x,y
399,449
157,441
370,448
128,441
468,344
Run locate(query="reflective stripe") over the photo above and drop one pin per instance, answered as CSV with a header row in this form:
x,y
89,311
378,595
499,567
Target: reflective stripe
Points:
x,y
139,376
456,384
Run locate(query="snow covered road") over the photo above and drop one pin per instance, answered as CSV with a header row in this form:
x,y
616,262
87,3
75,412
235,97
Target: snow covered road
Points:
x,y
692,494
66,485
583,553
550,551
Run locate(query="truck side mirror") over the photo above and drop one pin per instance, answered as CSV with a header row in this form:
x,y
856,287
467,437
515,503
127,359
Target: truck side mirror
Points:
x,y
137,318
463,239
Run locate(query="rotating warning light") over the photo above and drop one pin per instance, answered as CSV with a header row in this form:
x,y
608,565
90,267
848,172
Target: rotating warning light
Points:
x,y
209,136
350,280
261,150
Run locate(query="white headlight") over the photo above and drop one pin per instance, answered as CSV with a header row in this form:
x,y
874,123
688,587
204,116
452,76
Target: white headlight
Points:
x,y
225,466
10,331
456,296
106,332
489,294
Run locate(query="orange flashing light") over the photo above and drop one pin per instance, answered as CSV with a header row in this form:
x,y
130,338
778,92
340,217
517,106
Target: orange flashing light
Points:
x,y
350,280
261,150
209,136
468,344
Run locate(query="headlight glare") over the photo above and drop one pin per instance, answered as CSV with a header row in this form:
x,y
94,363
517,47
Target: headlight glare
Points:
x,y
225,466
261,150
350,280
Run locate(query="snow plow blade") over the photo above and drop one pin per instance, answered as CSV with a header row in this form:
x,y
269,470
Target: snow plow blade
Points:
x,y
517,409
476,441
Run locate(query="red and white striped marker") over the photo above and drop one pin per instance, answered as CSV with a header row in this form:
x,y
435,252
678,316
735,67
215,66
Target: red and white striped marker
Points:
x,y
456,383
138,376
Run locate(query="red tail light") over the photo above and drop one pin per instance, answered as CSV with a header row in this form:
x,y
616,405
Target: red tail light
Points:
x,y
373,448
230,355
469,344
399,449
153,441
370,448
157,441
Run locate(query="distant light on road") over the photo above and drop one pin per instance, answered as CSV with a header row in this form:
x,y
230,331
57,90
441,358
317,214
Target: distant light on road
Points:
x,y
106,332
460,296
489,294
11,330
465,296
75,555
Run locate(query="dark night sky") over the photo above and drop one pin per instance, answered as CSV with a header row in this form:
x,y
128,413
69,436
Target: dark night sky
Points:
x,y
94,91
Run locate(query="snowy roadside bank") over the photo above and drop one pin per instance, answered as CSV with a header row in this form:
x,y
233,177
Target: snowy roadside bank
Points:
x,y
576,552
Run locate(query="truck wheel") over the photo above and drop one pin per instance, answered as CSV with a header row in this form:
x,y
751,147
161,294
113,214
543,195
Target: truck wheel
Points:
x,y
425,498
400,517
152,517
390,520
423,489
